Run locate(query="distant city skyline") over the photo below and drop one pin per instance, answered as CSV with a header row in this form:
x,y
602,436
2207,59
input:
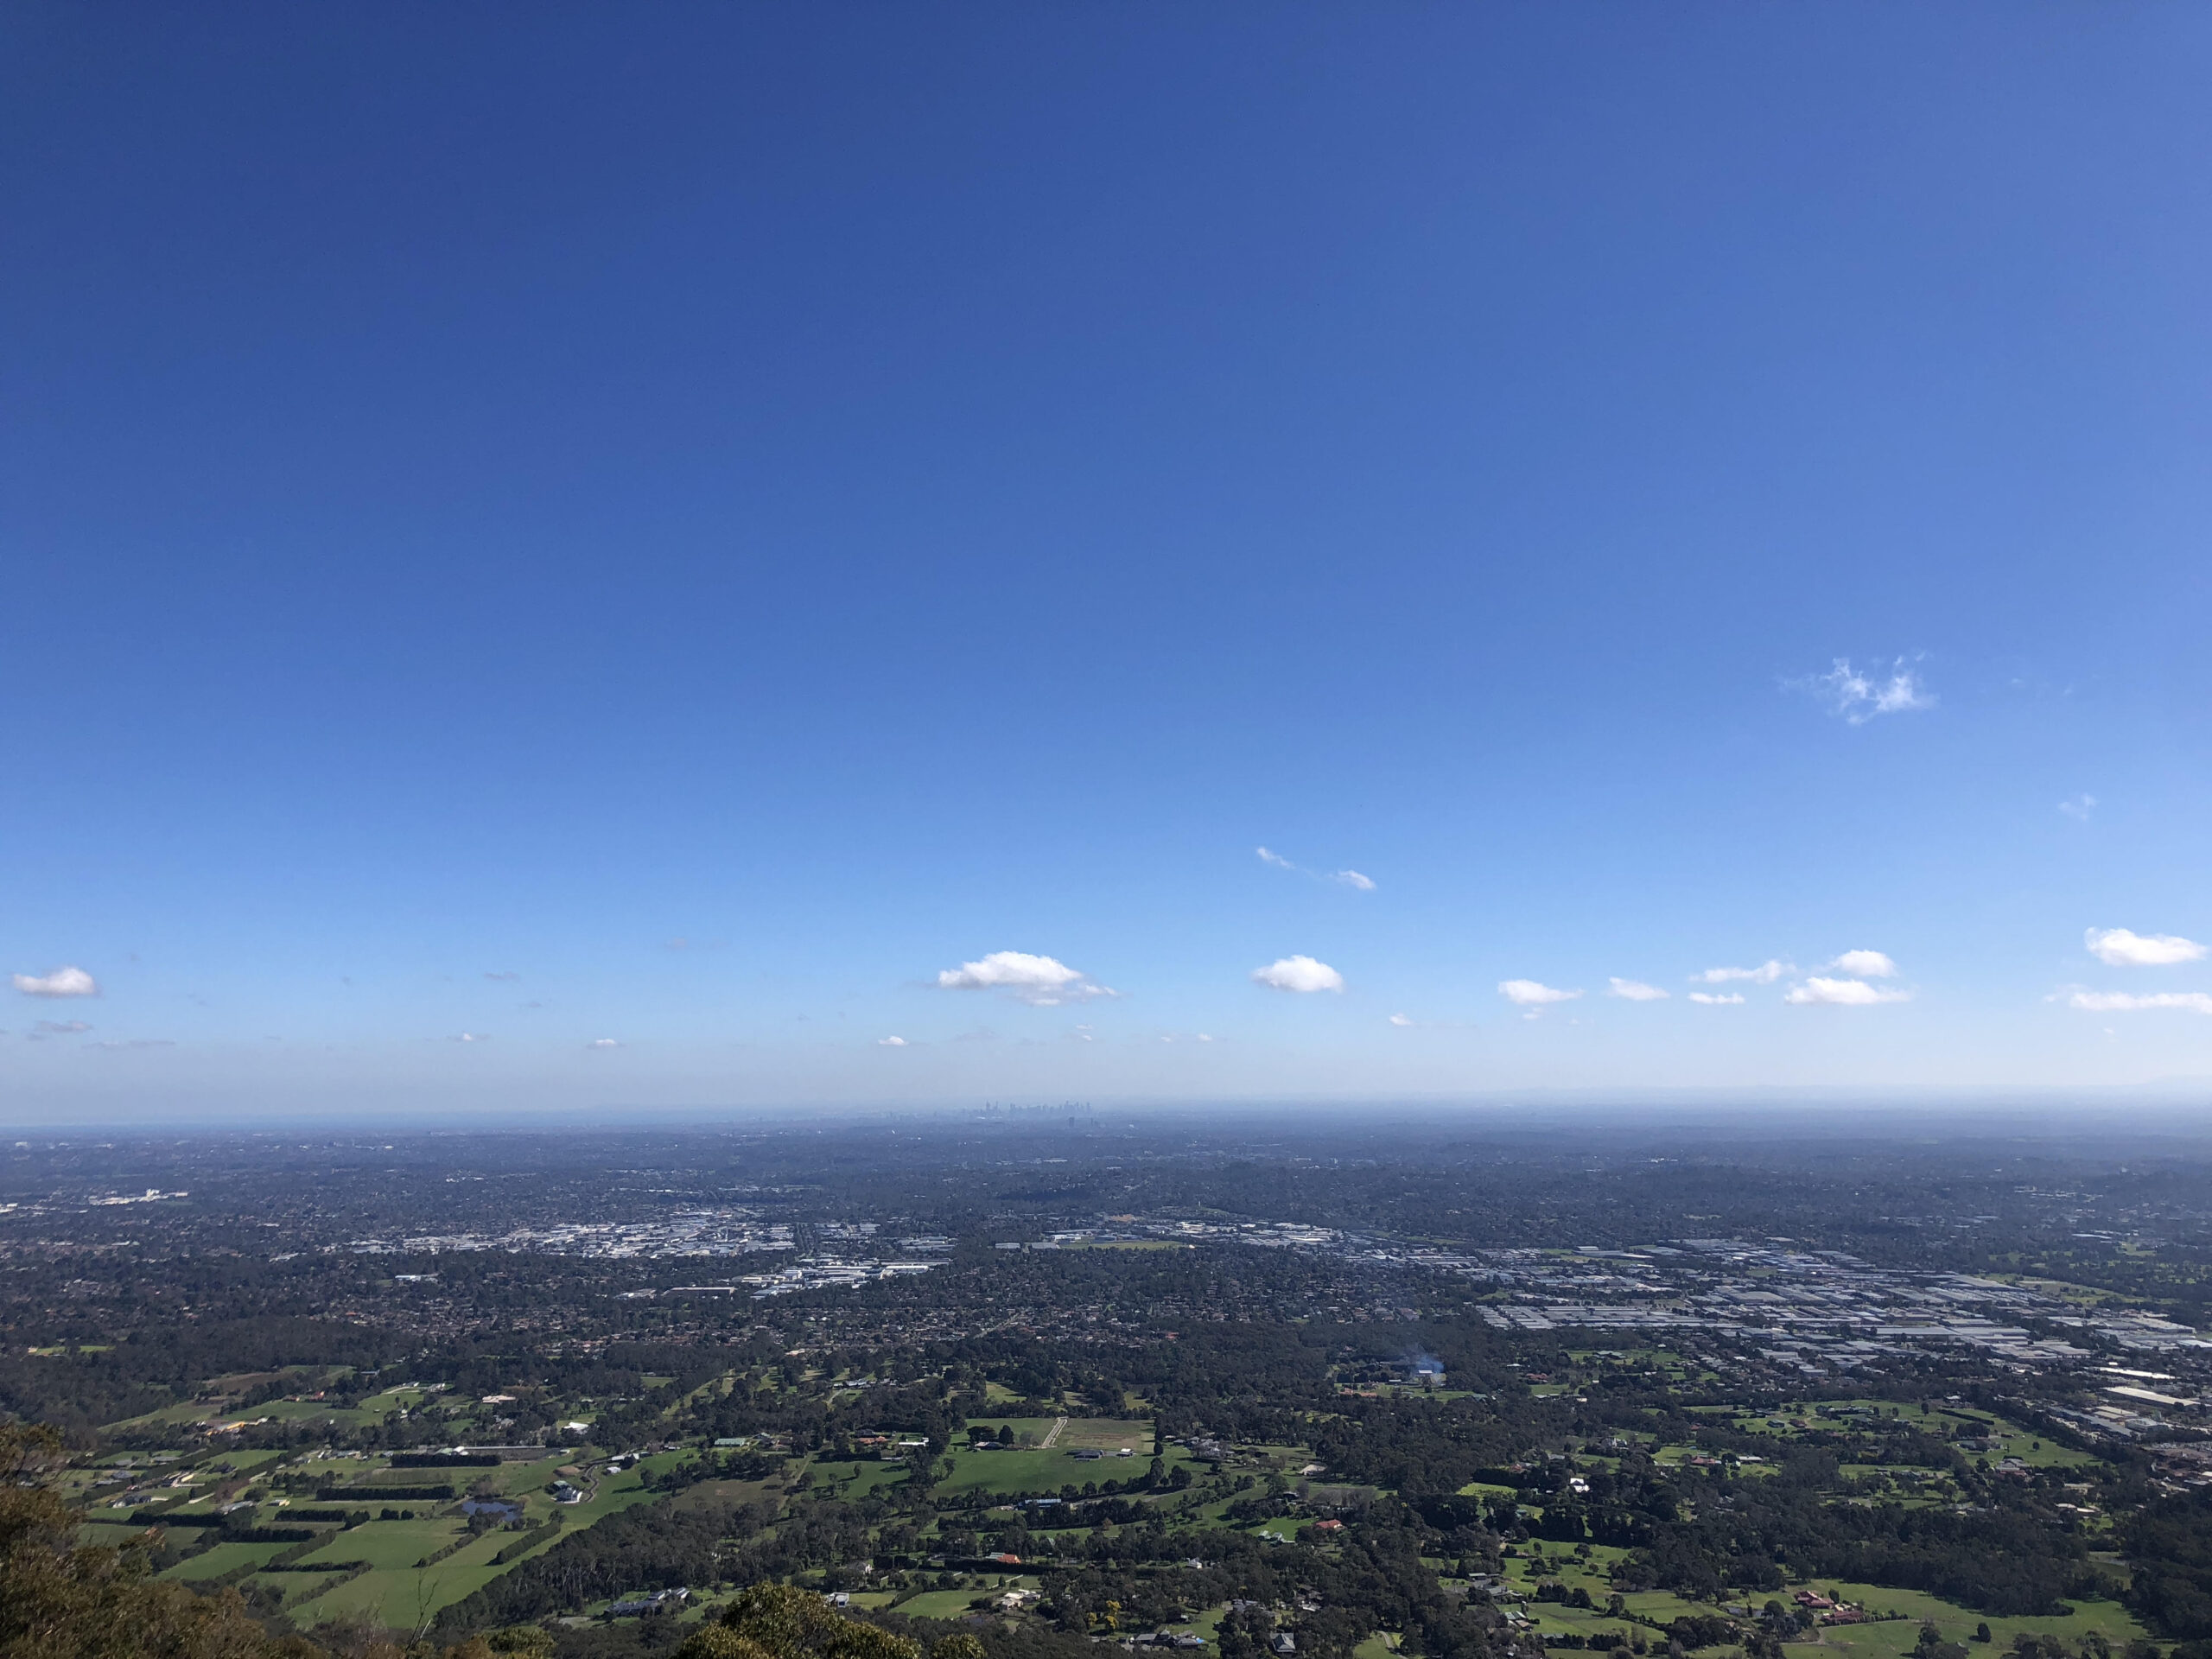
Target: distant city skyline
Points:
x,y
650,563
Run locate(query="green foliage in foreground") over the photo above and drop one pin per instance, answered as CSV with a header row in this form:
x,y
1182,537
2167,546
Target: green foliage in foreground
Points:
x,y
59,1600
774,1621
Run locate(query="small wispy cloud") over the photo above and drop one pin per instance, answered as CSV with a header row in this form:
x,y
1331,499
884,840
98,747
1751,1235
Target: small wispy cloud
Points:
x,y
139,1042
2078,807
1765,974
2129,1002
1401,1020
604,1042
504,978
1351,879
1842,994
62,981
1533,993
472,1037
1865,964
62,1027
1041,982
2117,947
1712,1000
890,1042
1634,990
1857,696
1299,973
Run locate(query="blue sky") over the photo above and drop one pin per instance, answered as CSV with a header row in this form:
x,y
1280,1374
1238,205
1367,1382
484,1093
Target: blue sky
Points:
x,y
680,530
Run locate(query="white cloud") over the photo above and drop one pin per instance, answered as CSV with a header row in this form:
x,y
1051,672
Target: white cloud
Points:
x,y
1636,990
1205,1037
603,1042
1299,973
1401,1020
1865,964
508,977
62,981
1529,994
2078,807
890,1042
2119,948
2127,1002
1043,982
1765,974
1842,993
1351,879
1713,1001
63,1027
473,1037
1859,696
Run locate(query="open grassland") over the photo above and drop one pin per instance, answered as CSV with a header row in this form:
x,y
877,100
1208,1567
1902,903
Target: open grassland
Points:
x,y
1105,1434
218,1558
941,1603
1076,1434
850,1480
403,1595
388,1543
1898,1613
2106,1618
1036,1468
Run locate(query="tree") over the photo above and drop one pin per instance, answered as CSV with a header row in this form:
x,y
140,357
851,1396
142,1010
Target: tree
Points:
x,y
776,1621
59,1601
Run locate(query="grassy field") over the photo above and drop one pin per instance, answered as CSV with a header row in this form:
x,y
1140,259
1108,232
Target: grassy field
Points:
x,y
1077,1433
939,1603
1105,1434
1040,1469
107,1535
1892,1639
2006,1439
851,1480
214,1562
389,1544
401,1595
2108,1619
727,1491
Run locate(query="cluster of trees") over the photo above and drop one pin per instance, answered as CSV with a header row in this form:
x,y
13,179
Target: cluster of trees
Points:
x,y
2007,1552
2169,1543
652,1547
1375,1579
